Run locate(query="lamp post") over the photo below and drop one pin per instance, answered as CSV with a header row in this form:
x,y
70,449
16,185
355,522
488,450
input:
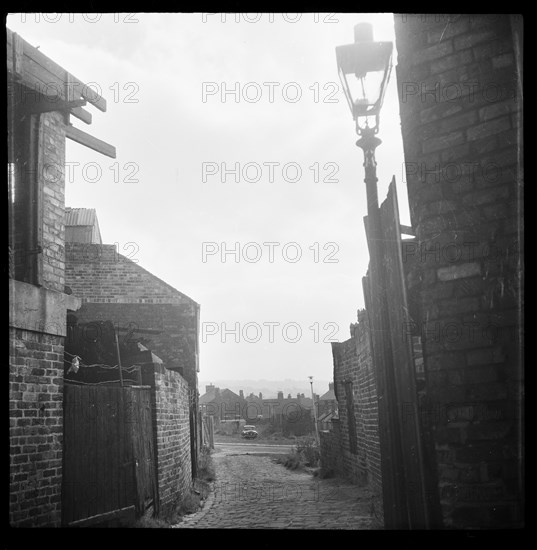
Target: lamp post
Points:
x,y
364,69
314,411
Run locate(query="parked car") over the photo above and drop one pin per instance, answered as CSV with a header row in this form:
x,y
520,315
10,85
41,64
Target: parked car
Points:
x,y
249,432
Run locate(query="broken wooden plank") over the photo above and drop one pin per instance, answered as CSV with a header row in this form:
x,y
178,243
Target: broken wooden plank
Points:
x,y
89,141
82,114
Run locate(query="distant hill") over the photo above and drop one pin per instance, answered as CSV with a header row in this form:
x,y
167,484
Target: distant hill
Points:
x,y
269,388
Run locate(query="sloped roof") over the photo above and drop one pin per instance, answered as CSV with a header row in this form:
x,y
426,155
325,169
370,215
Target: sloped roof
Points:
x,y
208,397
228,394
216,394
328,396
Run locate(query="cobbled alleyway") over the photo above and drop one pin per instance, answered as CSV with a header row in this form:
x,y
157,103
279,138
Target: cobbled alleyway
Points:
x,y
252,491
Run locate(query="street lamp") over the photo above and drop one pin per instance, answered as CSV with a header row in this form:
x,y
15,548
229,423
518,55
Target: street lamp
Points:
x,y
364,70
314,411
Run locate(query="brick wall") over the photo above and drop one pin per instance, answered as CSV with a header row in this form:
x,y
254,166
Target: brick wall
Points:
x,y
35,428
52,162
170,399
460,107
353,364
100,274
36,357
330,442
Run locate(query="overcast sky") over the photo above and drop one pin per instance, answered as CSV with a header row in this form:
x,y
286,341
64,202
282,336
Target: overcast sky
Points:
x,y
153,69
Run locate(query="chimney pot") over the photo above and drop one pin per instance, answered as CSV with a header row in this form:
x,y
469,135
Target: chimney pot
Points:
x,y
363,32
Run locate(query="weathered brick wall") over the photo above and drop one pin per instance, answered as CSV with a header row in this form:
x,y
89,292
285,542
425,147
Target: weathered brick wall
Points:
x,y
114,288
100,274
460,104
35,428
36,359
352,362
170,396
51,173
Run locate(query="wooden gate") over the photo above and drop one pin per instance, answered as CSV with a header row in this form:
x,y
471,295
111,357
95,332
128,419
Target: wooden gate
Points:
x,y
407,491
207,422
139,419
108,458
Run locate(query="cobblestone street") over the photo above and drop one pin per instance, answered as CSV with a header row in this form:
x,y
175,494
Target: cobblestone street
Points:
x,y
252,491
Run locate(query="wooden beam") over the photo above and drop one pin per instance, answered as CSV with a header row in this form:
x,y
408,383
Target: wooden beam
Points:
x,y
45,105
406,230
69,96
36,71
82,114
17,55
89,141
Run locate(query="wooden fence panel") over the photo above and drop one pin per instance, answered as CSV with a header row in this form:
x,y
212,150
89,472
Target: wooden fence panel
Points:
x,y
139,421
393,497
109,461
404,371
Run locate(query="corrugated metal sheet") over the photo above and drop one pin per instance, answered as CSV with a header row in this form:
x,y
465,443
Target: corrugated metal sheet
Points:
x,y
80,216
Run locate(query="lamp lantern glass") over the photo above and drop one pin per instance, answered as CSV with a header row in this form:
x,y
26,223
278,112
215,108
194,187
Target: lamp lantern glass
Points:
x,y
364,70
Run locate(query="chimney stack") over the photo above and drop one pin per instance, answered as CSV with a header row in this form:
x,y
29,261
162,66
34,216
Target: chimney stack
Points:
x,y
260,395
280,396
241,394
209,388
